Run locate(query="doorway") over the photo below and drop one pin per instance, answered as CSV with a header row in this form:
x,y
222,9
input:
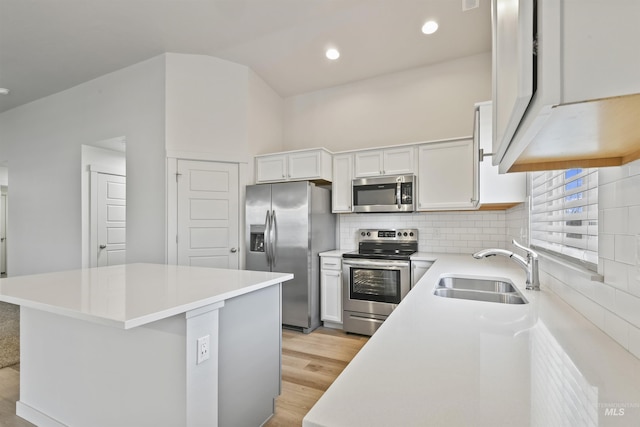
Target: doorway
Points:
x,y
3,231
206,214
103,186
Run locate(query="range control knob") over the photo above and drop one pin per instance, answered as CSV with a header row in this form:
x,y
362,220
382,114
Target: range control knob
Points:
x,y
405,234
411,234
362,233
368,233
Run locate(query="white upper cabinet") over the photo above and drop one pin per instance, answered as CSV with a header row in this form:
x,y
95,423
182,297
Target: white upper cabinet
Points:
x,y
341,184
390,161
271,168
315,164
566,90
447,175
496,190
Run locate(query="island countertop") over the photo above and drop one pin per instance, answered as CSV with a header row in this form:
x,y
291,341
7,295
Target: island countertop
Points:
x,y
455,362
131,295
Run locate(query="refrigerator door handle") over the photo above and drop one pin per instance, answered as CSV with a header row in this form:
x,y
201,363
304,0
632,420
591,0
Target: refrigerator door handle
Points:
x,y
267,238
274,239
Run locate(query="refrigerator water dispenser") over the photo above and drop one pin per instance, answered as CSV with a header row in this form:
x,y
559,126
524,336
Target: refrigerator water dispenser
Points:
x,y
256,242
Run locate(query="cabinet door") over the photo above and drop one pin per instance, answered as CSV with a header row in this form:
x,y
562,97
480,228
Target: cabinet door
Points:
x,y
495,188
304,165
331,296
447,175
398,161
341,184
271,168
368,163
512,68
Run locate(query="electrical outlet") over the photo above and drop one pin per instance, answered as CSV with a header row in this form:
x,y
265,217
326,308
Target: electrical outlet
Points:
x,y
203,349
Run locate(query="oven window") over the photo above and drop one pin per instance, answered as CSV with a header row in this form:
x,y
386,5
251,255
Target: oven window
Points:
x,y
384,194
370,284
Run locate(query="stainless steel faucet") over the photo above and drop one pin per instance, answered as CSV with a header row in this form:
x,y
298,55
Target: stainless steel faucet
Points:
x,y
530,264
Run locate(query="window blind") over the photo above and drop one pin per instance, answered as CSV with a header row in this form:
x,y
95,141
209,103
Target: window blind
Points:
x,y
564,213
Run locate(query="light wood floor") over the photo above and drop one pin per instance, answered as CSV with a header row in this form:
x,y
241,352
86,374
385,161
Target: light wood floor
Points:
x,y
9,394
310,363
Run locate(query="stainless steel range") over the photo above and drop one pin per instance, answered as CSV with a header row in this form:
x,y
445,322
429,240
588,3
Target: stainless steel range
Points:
x,y
376,277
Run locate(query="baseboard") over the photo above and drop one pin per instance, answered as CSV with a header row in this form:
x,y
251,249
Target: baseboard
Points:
x,y
36,417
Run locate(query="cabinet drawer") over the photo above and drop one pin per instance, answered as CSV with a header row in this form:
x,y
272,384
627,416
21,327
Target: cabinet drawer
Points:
x,y
331,263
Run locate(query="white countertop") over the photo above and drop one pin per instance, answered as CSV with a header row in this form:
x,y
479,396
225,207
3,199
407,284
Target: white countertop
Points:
x,y
454,362
335,252
132,295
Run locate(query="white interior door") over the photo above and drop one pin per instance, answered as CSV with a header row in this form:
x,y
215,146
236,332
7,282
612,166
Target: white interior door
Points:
x,y
111,219
3,234
208,233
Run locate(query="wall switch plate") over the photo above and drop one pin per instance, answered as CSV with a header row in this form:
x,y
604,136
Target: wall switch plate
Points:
x,y
203,349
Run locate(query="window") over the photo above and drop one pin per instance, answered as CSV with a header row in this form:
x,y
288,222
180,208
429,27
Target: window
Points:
x,y
564,213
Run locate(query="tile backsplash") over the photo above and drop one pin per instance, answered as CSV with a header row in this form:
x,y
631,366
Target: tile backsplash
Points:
x,y
444,232
613,306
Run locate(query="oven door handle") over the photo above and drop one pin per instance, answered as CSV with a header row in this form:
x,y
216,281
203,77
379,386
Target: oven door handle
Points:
x,y
386,264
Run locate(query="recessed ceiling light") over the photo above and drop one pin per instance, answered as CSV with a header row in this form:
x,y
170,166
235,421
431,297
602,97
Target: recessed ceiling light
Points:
x,y
4,91
332,54
430,27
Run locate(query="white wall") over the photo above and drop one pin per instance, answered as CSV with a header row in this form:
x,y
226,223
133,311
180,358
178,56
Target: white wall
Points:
x,y
265,117
207,107
41,143
420,104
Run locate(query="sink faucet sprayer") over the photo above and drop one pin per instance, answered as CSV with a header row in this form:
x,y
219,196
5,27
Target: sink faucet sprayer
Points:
x,y
530,264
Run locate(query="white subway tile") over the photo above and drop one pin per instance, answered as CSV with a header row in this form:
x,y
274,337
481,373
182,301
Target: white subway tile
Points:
x,y
633,277
634,341
628,307
604,295
634,219
607,196
606,246
615,220
617,329
629,191
616,274
634,168
611,174
625,249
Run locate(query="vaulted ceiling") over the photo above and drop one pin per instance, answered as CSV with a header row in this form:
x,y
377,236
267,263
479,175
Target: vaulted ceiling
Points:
x,y
47,46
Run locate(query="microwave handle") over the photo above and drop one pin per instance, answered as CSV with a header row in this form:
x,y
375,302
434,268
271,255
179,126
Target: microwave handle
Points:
x,y
398,194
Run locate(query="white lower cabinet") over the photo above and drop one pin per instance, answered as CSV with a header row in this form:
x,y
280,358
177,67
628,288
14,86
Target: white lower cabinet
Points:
x,y
331,290
447,175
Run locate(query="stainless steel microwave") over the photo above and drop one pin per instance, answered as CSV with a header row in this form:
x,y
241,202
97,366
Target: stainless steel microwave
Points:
x,y
384,194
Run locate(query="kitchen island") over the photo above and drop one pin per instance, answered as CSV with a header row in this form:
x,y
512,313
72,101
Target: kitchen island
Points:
x,y
148,345
455,362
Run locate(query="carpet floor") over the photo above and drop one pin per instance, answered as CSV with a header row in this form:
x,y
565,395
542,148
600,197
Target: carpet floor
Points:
x,y
9,334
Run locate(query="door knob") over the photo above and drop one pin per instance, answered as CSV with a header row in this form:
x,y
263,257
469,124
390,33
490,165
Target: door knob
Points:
x,y
103,246
234,250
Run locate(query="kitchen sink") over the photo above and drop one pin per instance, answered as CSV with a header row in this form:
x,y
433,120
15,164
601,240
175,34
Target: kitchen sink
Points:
x,y
479,289
476,284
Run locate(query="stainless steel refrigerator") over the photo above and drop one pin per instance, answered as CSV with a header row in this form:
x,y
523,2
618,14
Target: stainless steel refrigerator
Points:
x,y
288,224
